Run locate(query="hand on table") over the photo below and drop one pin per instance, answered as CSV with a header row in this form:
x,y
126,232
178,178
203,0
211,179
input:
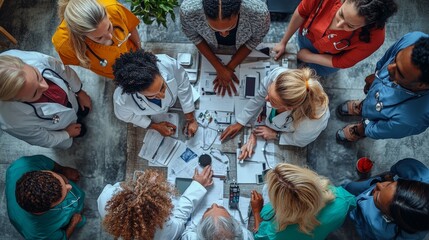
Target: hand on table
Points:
x,y
164,128
225,81
231,131
191,128
279,49
247,149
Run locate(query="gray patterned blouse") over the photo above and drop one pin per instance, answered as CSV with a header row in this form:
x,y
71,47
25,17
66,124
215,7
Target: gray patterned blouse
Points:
x,y
253,25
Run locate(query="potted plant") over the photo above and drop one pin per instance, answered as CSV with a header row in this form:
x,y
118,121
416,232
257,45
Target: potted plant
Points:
x,y
154,10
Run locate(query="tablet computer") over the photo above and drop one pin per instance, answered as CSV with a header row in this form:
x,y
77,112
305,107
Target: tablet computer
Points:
x,y
182,184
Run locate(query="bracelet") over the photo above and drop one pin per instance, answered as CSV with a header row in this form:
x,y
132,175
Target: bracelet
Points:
x,y
278,135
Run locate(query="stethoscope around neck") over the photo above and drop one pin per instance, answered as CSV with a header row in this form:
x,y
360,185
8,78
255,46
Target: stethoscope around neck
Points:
x,y
135,97
55,118
103,61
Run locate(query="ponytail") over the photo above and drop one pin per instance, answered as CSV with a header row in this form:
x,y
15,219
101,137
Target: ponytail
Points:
x,y
301,90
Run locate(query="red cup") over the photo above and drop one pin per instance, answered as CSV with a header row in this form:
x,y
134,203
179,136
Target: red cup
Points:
x,y
363,167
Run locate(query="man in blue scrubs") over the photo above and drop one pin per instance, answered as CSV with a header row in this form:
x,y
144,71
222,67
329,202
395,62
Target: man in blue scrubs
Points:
x,y
396,104
43,202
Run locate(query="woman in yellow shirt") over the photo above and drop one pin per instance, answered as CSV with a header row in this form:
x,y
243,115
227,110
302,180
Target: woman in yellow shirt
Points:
x,y
93,33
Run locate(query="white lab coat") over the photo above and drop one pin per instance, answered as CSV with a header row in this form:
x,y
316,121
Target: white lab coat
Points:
x,y
19,120
183,208
307,130
136,109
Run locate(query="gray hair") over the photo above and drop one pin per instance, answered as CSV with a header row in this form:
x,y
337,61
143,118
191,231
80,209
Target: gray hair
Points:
x,y
220,228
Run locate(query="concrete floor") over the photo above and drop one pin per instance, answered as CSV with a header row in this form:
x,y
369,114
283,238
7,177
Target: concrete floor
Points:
x,y
100,156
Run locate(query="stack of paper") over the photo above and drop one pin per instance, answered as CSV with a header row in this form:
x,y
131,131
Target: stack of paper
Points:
x,y
159,149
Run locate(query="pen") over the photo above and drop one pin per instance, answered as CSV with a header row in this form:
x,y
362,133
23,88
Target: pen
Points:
x,y
156,152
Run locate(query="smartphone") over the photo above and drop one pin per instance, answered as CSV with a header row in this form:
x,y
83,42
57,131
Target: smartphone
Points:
x,y
234,195
250,86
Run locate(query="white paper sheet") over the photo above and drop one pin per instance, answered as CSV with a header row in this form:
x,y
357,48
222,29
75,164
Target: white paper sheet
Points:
x,y
160,150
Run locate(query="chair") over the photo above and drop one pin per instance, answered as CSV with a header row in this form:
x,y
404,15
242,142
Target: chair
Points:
x,y
5,32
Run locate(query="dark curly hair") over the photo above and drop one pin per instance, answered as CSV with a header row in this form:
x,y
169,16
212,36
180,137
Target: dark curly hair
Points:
x,y
410,206
221,9
420,58
135,71
376,13
140,208
37,190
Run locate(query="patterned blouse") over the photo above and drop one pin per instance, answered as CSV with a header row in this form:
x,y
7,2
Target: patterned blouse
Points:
x,y
253,25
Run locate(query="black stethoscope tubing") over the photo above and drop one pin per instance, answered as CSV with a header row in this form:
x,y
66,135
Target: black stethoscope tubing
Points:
x,y
103,61
55,118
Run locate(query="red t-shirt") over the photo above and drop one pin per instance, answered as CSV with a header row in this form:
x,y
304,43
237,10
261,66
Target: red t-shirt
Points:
x,y
323,38
54,94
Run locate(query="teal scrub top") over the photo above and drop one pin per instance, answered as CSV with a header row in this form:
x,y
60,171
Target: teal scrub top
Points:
x,y
331,217
51,224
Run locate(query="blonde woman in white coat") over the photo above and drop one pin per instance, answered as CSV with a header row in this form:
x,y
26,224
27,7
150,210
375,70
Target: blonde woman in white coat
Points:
x,y
40,99
148,85
297,110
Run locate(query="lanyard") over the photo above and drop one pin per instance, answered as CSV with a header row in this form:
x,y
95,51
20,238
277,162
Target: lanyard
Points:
x,y
306,28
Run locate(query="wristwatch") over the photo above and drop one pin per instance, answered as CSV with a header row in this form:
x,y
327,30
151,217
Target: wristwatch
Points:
x,y
278,136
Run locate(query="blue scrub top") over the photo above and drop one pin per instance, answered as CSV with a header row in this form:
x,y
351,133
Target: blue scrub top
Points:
x,y
51,224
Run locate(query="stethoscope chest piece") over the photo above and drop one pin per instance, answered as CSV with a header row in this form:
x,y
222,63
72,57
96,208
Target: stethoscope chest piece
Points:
x,y
379,106
55,119
103,62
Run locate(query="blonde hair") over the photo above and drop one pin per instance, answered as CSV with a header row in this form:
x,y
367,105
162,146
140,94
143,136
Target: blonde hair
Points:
x,y
140,208
297,195
301,90
81,17
12,77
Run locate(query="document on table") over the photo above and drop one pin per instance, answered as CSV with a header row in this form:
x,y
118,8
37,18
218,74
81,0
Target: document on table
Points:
x,y
159,149
168,117
255,164
183,169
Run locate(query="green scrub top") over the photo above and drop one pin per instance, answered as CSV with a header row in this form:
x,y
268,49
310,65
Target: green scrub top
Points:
x,y
51,224
331,217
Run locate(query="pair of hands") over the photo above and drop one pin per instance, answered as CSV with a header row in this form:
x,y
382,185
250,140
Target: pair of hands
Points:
x,y
84,101
247,149
225,81
205,178
167,129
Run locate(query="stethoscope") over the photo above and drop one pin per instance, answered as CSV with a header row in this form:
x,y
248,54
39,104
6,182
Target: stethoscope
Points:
x,y
306,29
340,45
55,118
103,61
379,105
135,95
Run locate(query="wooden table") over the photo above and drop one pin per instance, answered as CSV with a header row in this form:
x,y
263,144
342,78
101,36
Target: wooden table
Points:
x,y
136,135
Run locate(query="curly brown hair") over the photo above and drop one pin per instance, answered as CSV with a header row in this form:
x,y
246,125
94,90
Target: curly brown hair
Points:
x,y
37,190
140,208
